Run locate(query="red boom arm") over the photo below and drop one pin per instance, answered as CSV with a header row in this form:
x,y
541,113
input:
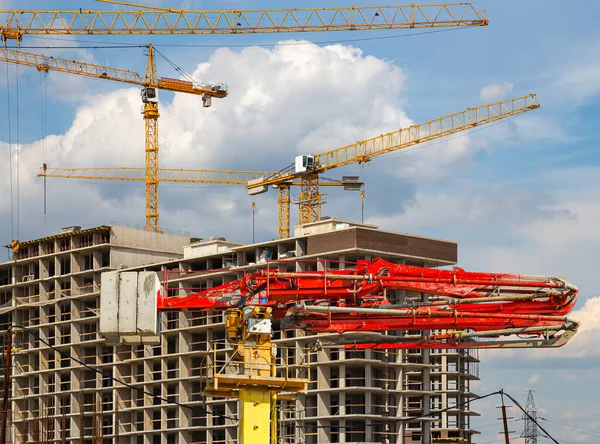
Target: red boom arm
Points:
x,y
482,306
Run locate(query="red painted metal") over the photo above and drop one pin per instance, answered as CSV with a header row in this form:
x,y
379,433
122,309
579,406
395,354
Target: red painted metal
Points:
x,y
470,301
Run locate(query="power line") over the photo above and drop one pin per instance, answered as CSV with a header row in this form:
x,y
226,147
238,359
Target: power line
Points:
x,y
100,372
531,418
580,429
530,431
491,424
412,418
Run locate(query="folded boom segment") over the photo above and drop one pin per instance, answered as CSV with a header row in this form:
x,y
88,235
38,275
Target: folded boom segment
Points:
x,y
465,310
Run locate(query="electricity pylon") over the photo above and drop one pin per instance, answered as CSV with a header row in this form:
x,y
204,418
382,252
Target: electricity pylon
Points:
x,y
530,428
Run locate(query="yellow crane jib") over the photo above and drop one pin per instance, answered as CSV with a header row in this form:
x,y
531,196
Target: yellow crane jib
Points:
x,y
14,24
180,175
150,83
307,168
214,177
45,63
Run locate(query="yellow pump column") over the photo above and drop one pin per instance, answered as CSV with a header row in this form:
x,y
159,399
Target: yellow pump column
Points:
x,y
251,374
255,418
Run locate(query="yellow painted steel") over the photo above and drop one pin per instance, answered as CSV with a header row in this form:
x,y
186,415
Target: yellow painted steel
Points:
x,y
151,116
310,200
359,152
251,373
255,417
179,175
274,418
170,175
150,110
14,24
283,211
151,149
45,64
365,150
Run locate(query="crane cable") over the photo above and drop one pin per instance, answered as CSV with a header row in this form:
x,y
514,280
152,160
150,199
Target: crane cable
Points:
x,y
18,159
43,120
186,74
106,44
12,211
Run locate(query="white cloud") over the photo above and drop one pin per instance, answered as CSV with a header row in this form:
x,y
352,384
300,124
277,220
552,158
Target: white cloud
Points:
x,y
585,343
493,93
569,414
431,161
566,377
462,215
519,231
582,81
283,101
561,245
62,86
578,80
534,379
577,436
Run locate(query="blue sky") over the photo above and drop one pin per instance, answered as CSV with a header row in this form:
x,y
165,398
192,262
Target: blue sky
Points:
x,y
519,196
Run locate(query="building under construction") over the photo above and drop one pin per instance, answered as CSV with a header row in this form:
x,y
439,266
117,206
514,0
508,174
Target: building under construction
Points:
x,y
52,286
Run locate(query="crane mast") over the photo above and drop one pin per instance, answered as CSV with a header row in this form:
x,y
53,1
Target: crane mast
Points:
x,y
150,83
151,115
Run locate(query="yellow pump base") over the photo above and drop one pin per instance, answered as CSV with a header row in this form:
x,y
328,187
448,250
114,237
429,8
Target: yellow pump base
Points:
x,y
255,418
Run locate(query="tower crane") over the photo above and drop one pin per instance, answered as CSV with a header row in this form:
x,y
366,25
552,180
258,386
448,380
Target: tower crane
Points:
x,y
467,310
305,172
15,24
307,168
179,175
150,83
152,174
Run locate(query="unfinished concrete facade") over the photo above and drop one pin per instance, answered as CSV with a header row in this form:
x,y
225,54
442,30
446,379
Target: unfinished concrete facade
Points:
x,y
352,394
52,288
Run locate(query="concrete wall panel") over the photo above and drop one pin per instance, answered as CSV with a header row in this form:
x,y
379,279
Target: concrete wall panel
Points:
x,y
147,298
